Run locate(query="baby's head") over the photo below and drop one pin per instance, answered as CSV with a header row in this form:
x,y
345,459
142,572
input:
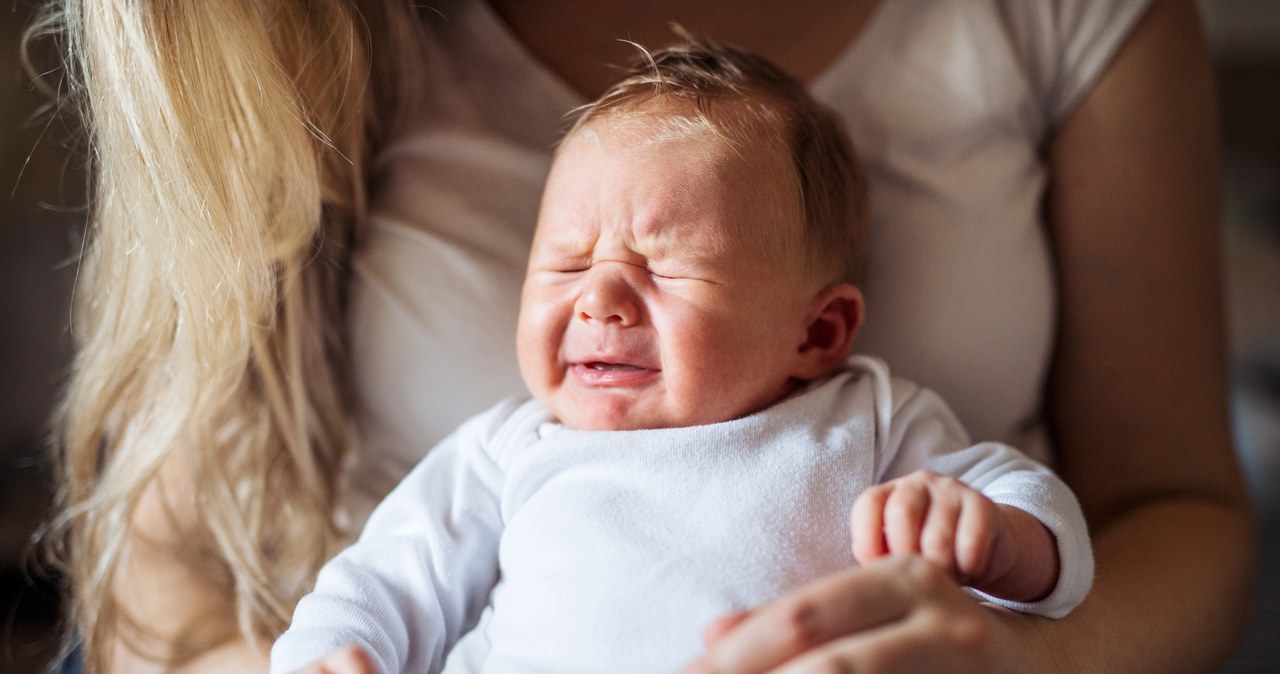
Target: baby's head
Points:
x,y
700,235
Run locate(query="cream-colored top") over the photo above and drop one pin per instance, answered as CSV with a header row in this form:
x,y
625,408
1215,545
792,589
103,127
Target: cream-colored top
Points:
x,y
949,102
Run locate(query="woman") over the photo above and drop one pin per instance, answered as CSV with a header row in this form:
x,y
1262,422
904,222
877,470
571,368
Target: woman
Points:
x,y
1045,254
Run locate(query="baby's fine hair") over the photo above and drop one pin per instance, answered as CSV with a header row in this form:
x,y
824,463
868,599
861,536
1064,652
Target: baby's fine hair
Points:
x,y
736,93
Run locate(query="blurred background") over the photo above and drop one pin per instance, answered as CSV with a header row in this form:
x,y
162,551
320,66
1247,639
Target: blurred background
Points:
x,y
41,215
40,190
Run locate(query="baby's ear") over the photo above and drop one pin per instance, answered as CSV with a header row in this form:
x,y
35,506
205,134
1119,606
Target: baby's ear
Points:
x,y
834,320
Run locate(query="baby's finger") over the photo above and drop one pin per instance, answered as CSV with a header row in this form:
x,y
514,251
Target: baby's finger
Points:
x,y
938,535
866,524
904,514
976,534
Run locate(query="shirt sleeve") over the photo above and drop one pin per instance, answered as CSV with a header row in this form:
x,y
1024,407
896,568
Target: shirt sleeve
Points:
x,y
420,572
1066,45
923,434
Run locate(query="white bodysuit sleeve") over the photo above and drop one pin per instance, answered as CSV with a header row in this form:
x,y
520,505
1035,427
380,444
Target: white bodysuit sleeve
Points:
x,y
422,569
923,434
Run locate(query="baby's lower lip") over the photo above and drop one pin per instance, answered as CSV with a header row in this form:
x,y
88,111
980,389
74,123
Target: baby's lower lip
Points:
x,y
601,373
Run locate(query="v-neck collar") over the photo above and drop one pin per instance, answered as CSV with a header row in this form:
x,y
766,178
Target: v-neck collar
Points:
x,y
845,66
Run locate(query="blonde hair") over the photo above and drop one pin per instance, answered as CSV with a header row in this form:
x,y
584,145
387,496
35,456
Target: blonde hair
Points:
x,y
738,95
229,144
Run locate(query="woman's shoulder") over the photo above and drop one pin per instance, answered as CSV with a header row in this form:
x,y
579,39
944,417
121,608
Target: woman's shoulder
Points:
x,y
1055,49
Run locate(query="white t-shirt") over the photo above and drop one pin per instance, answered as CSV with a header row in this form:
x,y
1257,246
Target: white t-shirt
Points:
x,y
612,551
950,104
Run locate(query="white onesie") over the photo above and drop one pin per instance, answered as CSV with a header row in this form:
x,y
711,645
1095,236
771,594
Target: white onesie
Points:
x,y
612,551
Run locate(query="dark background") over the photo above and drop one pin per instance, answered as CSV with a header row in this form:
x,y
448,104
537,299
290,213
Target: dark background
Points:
x,y
41,199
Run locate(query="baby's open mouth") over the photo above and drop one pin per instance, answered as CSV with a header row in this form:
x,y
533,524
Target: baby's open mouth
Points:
x,y
605,373
612,367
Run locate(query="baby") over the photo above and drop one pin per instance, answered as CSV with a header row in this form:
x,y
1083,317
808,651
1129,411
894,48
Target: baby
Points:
x,y
698,433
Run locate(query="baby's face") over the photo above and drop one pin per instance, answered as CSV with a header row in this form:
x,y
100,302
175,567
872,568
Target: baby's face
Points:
x,y
651,300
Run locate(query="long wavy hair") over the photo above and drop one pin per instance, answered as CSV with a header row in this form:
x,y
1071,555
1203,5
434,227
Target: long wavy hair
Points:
x,y
229,144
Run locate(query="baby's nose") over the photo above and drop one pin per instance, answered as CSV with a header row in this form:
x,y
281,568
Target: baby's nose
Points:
x,y
608,296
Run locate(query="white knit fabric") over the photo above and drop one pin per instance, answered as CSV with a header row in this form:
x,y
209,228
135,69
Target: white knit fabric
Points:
x,y
612,551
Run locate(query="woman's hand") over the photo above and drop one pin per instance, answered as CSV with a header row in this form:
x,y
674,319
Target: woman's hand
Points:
x,y
900,614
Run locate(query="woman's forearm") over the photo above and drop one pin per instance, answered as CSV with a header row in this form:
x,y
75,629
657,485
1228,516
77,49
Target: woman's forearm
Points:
x,y
1137,395
1171,572
167,603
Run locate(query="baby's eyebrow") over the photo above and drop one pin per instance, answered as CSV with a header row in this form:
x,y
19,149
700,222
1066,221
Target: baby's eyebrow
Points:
x,y
668,243
546,255
565,243
697,256
672,243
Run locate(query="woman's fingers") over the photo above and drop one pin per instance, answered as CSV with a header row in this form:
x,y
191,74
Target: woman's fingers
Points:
x,y
901,614
845,603
930,640
883,651
722,626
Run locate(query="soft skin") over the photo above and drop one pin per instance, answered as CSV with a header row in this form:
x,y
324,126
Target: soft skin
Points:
x,y
646,306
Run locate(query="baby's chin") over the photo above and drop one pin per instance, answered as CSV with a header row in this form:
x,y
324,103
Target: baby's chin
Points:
x,y
617,422
625,415
618,414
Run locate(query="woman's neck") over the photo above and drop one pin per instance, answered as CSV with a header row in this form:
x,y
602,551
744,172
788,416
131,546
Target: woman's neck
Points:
x,y
581,40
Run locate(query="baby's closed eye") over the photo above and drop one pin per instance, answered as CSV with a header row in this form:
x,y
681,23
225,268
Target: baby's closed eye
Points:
x,y
670,270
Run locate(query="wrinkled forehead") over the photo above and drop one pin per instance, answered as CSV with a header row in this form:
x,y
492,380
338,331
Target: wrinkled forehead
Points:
x,y
620,136
739,130
749,161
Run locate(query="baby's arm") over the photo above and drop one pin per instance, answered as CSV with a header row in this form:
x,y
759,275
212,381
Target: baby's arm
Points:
x,y
418,576
1025,502
994,548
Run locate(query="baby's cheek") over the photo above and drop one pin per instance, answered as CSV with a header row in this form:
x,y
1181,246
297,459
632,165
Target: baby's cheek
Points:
x,y
537,351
